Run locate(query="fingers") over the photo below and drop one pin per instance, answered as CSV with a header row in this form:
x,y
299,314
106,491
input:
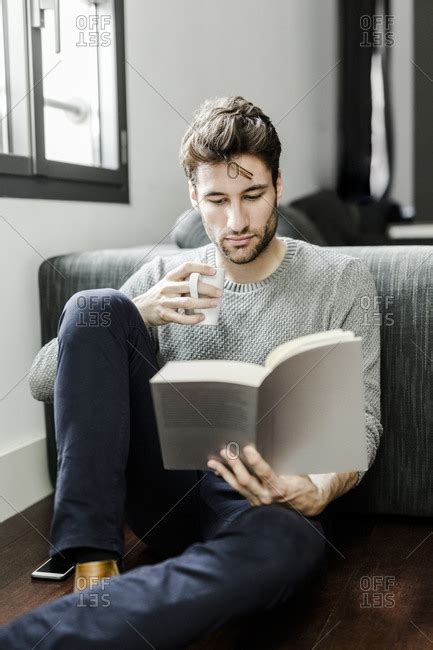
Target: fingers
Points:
x,y
296,492
203,288
169,306
263,470
172,298
258,464
189,303
184,270
176,295
230,478
241,480
173,316
246,480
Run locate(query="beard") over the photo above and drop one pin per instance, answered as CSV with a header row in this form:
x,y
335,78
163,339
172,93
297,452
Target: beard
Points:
x,y
246,254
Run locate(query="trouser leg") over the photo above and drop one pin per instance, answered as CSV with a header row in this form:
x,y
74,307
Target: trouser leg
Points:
x,y
108,448
255,562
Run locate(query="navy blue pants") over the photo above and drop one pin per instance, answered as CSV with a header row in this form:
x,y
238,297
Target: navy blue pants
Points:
x,y
220,556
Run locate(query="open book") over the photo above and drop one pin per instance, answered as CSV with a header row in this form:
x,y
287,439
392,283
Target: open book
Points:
x,y
303,410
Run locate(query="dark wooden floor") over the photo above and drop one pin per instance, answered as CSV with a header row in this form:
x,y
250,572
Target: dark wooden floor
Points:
x,y
377,592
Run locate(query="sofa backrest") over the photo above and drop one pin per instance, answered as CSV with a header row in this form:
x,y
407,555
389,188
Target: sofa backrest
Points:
x,y
401,479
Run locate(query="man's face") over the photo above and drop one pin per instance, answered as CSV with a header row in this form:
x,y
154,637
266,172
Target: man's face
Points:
x,y
232,205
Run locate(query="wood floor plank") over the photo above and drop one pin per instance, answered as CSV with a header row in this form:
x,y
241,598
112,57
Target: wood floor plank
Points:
x,y
24,547
38,515
375,593
387,603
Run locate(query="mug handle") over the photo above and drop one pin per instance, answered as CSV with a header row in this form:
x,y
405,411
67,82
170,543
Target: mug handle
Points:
x,y
193,284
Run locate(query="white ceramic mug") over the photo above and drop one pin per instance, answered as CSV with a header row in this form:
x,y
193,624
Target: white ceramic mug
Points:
x,y
211,313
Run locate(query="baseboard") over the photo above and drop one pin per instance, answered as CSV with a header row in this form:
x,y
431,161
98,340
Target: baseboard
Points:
x,y
412,230
24,478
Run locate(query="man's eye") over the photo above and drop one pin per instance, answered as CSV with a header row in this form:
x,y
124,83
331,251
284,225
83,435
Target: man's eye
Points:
x,y
250,198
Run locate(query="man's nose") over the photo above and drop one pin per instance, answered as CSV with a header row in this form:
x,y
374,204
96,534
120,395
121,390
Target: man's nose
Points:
x,y
237,221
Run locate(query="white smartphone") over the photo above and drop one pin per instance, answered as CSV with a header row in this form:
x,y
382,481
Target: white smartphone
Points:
x,y
56,568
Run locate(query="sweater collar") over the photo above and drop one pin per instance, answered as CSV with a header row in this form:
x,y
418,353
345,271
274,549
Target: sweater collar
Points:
x,y
244,287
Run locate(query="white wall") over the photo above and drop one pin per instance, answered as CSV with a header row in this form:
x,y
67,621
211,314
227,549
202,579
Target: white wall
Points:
x,y
274,55
402,73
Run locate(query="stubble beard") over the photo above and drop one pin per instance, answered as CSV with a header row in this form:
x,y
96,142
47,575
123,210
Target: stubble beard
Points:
x,y
249,253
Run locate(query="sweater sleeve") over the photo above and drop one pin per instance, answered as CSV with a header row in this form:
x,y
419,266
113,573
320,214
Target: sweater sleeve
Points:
x,y
42,373
355,307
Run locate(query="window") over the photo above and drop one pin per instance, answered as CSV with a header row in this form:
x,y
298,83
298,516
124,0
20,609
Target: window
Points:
x,y
62,100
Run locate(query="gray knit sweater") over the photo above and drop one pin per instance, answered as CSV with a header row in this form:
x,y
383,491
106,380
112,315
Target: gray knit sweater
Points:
x,y
312,290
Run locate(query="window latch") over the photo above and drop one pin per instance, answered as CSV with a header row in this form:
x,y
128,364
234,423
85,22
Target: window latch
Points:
x,y
39,7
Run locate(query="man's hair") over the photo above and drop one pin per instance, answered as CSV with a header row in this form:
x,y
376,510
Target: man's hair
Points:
x,y
224,127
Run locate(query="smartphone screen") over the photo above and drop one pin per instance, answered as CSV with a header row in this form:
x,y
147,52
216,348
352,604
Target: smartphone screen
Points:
x,y
56,568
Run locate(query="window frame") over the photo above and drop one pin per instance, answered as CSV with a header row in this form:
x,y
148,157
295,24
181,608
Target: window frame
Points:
x,y
422,123
37,177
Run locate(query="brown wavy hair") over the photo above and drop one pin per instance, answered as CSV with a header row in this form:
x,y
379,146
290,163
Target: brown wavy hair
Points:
x,y
224,127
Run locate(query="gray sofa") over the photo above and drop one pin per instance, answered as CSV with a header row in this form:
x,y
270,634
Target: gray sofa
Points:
x,y
401,479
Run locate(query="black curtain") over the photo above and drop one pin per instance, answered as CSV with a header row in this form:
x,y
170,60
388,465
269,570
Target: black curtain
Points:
x,y
358,40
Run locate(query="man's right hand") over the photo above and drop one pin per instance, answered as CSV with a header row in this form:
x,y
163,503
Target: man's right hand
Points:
x,y
158,306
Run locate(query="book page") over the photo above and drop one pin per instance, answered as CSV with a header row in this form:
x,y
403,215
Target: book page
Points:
x,y
196,419
204,370
265,420
290,348
318,412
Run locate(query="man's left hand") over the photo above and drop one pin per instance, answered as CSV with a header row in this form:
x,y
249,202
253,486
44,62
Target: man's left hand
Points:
x,y
262,486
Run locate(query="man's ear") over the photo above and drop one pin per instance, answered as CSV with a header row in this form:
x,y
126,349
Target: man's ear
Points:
x,y
192,195
279,186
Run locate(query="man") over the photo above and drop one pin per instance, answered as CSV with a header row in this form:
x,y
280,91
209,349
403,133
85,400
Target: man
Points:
x,y
237,538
